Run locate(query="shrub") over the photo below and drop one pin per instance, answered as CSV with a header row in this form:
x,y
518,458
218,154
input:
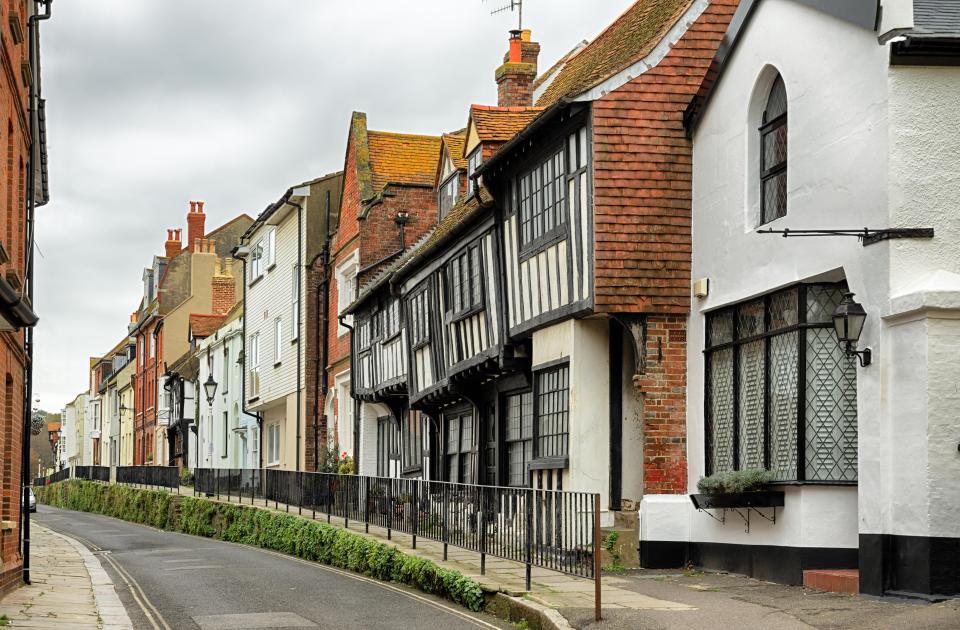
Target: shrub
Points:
x,y
286,533
750,480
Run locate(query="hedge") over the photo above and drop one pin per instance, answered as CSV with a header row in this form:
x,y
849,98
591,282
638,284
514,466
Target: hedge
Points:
x,y
249,525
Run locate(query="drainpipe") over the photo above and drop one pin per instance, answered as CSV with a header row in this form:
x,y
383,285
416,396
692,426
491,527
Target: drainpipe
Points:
x,y
323,334
32,28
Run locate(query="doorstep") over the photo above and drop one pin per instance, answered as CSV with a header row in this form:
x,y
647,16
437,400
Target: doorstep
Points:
x,y
833,580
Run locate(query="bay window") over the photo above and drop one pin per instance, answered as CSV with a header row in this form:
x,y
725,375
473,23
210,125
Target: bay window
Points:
x,y
781,393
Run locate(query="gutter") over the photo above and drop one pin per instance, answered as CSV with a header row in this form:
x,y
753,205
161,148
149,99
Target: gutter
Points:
x,y
243,382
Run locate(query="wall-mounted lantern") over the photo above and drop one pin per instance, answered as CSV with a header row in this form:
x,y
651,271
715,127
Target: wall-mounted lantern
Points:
x,y
848,320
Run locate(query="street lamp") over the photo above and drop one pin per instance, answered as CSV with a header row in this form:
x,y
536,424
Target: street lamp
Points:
x,y
848,320
210,387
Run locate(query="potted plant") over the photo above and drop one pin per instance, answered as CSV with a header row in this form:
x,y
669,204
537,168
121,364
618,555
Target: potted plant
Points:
x,y
737,489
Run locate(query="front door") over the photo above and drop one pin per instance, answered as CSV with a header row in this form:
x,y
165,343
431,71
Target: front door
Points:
x,y
489,428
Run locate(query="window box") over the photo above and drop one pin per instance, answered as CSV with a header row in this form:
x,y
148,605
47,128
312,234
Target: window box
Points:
x,y
757,499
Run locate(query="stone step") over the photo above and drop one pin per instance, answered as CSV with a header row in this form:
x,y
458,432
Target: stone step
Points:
x,y
833,580
625,550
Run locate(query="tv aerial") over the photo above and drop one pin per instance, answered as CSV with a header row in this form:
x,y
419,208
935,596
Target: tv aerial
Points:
x,y
513,5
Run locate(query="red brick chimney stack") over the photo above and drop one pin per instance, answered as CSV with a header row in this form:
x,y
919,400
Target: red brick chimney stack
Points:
x,y
195,223
223,287
519,70
172,246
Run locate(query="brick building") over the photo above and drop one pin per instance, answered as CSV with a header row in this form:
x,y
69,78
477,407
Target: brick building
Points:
x,y
23,187
184,281
386,205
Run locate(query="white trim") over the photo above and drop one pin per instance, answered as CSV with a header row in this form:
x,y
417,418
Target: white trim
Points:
x,y
656,55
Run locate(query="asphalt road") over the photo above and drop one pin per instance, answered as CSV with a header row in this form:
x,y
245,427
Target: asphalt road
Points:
x,y
171,581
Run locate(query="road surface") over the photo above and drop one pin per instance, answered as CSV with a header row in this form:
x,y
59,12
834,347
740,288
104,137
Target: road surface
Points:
x,y
171,581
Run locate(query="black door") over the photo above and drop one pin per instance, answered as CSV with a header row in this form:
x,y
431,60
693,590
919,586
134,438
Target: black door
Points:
x,y
490,445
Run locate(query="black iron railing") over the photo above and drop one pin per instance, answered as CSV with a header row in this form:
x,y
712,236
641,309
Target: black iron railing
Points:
x,y
60,475
551,529
92,473
161,476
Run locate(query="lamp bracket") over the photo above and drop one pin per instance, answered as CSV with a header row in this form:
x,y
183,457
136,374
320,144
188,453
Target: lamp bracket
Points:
x,y
867,236
865,356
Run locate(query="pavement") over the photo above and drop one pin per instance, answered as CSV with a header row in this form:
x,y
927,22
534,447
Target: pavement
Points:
x,y
172,581
68,589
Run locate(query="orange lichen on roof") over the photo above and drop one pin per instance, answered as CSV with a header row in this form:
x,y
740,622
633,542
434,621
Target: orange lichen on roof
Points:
x,y
399,158
454,143
501,124
630,38
202,326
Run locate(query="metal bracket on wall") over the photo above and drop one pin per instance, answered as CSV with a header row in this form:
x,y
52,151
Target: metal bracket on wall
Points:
x,y
867,236
720,519
744,515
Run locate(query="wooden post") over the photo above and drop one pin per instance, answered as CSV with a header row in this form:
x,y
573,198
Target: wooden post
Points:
x,y
596,557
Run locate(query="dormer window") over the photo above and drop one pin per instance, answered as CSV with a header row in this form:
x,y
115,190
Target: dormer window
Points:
x,y
773,155
473,163
449,191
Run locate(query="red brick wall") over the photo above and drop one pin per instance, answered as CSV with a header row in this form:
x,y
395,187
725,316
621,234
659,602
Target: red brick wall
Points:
x,y
379,233
145,396
663,389
643,175
13,105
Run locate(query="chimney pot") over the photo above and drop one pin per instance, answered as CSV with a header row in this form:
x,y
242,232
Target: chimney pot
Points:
x,y
519,70
195,224
199,206
516,51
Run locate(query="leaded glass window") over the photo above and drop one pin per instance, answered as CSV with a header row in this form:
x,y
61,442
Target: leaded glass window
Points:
x,y
465,281
419,320
519,437
773,154
460,446
553,412
781,393
542,210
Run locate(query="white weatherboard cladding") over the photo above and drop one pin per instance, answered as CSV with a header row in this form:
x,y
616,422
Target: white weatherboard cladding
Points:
x,y
585,344
268,298
838,145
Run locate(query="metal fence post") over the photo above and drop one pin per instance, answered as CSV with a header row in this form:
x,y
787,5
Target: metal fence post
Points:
x,y
300,491
483,532
446,517
366,505
327,496
416,512
596,557
529,536
216,482
346,501
390,508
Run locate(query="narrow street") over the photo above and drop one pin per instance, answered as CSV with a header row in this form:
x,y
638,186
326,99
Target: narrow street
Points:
x,y
170,581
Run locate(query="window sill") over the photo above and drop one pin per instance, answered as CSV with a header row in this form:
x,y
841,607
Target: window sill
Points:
x,y
549,463
277,364
459,317
294,341
255,280
543,243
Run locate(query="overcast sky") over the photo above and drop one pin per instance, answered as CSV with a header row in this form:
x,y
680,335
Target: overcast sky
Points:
x,y
153,103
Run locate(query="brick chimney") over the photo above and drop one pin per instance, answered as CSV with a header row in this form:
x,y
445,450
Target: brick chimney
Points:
x,y
519,70
195,223
173,246
223,287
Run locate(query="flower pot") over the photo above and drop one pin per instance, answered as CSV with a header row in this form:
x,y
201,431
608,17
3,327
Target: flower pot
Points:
x,y
759,499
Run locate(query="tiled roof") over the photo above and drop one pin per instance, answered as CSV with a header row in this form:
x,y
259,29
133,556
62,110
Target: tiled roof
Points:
x,y
383,276
454,142
559,64
630,38
500,124
402,158
53,427
205,325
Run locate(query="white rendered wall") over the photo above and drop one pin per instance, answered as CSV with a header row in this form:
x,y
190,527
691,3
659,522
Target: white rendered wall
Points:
x,y
585,344
836,82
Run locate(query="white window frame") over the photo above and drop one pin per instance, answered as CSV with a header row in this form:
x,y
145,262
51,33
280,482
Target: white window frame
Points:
x,y
277,341
254,366
256,258
273,444
271,248
295,300
346,274
345,404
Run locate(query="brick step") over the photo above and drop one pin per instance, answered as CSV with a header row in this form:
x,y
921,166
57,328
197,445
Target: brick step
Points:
x,y
833,580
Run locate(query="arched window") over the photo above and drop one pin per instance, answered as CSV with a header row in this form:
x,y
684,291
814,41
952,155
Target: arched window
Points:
x,y
773,154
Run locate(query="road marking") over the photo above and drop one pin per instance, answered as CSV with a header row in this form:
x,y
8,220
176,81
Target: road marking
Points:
x,y
134,587
248,621
202,566
184,560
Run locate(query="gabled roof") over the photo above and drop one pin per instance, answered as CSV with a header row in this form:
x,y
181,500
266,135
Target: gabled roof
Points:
x,y
202,326
540,80
628,39
500,124
399,158
383,276
454,143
